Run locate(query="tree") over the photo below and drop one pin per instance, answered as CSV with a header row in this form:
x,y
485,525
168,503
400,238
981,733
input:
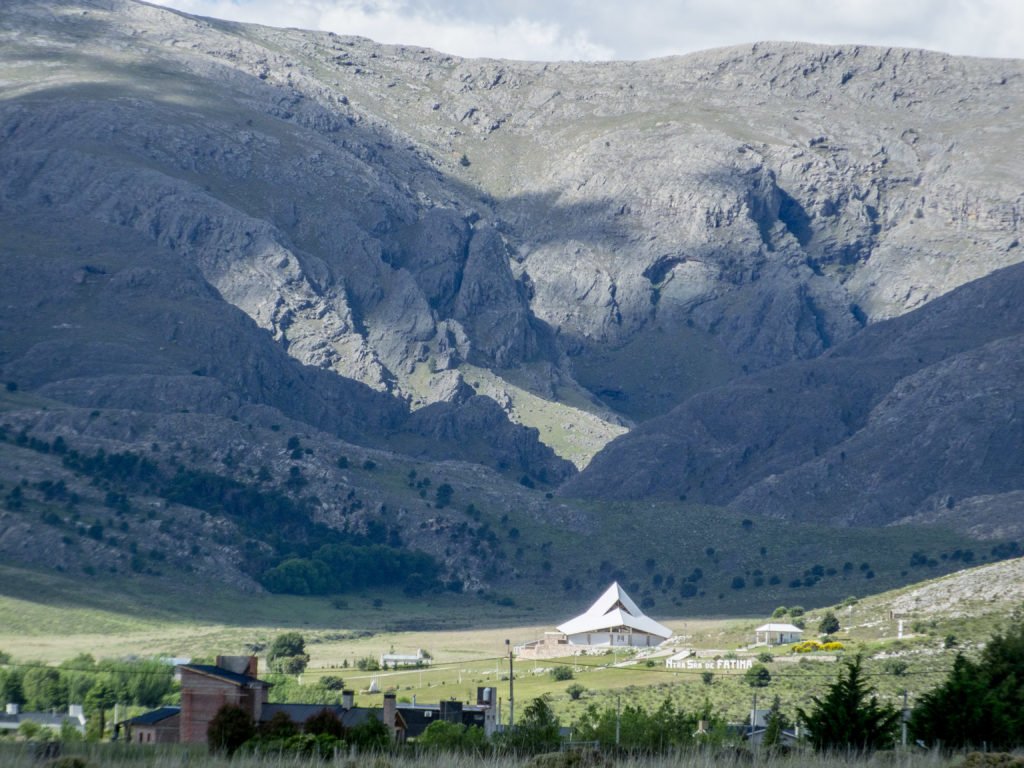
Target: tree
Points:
x,y
575,690
980,701
229,729
758,676
849,717
775,724
100,698
369,735
11,690
537,731
325,721
332,682
287,653
829,624
280,726
634,728
44,689
446,736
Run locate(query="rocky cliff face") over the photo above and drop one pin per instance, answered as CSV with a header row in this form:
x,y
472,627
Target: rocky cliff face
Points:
x,y
912,419
206,215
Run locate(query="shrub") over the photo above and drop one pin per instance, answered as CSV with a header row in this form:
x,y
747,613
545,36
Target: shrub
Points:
x,y
562,673
325,721
229,729
806,646
280,726
758,676
575,691
332,683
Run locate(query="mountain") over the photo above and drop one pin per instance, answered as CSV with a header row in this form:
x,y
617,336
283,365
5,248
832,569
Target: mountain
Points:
x,y
911,417
275,288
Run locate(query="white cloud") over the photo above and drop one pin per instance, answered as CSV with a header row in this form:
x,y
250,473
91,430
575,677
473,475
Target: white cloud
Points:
x,y
601,29
385,21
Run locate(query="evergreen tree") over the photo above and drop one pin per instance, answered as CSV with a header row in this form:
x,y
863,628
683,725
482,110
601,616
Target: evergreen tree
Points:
x,y
775,724
982,701
849,717
537,731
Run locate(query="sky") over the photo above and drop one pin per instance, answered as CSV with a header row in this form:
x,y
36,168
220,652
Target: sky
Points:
x,y
550,30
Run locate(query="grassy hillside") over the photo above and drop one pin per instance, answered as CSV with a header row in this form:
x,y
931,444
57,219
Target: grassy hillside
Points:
x,y
49,618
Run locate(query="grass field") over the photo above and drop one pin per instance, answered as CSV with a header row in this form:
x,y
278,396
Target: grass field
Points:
x,y
116,756
52,618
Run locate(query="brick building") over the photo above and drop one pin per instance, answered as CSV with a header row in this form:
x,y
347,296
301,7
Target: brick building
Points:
x,y
205,689
161,726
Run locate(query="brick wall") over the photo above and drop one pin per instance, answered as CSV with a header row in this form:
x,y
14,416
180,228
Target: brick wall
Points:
x,y
201,697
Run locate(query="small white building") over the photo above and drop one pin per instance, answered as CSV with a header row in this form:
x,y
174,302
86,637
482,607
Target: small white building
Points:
x,y
393,660
777,634
614,620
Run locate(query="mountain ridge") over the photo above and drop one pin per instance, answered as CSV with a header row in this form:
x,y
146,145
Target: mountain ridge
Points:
x,y
393,252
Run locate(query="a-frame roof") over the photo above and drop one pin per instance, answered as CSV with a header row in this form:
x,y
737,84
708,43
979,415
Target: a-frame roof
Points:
x,y
614,609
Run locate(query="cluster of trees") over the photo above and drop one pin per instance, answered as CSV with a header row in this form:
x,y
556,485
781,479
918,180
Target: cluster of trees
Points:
x,y
287,654
634,729
323,735
345,560
98,686
981,703
337,568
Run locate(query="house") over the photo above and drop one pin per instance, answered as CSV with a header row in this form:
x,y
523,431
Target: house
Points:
x,y
349,715
206,688
13,717
405,720
777,634
395,660
232,680
161,726
614,620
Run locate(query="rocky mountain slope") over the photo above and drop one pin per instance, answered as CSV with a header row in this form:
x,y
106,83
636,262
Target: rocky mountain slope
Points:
x,y
789,271
910,418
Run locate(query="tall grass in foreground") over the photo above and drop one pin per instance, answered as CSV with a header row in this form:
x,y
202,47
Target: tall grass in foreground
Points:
x,y
22,755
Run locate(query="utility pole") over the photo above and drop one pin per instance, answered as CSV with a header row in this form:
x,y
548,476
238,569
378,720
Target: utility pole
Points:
x,y
618,719
511,698
903,719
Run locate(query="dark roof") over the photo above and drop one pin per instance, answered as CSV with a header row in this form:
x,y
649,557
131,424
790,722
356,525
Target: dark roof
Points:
x,y
156,716
300,713
226,674
418,716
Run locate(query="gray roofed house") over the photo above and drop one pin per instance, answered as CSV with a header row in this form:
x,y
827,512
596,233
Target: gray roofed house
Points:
x,y
13,717
160,726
